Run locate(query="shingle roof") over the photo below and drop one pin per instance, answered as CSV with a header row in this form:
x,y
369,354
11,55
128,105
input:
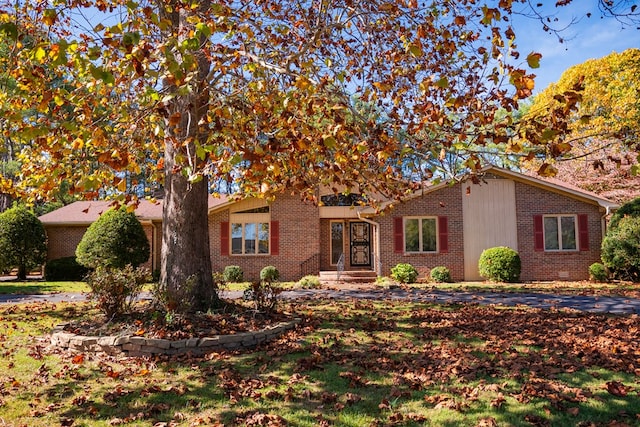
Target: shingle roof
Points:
x,y
88,211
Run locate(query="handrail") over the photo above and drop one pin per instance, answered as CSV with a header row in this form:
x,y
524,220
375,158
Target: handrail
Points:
x,y
340,266
310,266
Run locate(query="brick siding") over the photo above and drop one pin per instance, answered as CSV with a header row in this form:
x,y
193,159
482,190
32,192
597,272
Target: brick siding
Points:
x,y
299,240
62,241
540,265
446,201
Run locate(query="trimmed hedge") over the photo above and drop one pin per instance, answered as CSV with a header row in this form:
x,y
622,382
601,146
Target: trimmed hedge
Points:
x,y
500,264
65,269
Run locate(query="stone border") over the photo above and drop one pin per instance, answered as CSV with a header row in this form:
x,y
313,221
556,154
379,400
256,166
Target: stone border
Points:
x,y
134,346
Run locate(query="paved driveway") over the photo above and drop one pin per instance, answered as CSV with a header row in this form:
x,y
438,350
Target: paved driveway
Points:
x,y
593,304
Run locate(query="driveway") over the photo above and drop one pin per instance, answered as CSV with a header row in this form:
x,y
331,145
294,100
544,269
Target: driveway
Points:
x,y
586,303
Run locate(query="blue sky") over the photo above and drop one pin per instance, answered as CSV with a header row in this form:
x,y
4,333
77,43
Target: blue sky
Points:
x,y
588,38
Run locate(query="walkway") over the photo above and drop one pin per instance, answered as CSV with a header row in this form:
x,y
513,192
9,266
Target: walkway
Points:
x,y
586,303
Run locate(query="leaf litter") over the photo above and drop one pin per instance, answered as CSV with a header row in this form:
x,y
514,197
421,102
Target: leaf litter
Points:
x,y
405,362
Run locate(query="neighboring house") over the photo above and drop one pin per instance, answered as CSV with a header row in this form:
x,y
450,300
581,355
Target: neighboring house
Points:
x,y
557,230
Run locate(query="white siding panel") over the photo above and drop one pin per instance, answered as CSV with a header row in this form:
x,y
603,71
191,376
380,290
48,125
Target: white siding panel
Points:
x,y
489,214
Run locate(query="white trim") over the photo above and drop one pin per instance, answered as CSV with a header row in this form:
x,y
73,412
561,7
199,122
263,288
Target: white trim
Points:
x,y
576,230
404,234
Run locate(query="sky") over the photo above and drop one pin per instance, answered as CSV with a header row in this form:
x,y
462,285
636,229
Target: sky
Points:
x,y
588,38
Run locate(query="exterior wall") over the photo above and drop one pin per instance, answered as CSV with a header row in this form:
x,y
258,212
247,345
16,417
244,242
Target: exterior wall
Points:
x,y
299,240
538,265
446,201
62,240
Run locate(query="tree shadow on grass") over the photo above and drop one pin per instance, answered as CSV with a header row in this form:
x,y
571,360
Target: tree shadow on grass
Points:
x,y
355,363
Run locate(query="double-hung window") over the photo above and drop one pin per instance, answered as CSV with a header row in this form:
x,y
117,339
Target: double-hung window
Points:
x,y
248,238
560,233
250,232
420,234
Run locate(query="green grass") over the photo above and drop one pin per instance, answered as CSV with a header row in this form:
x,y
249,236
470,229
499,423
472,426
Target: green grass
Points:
x,y
350,363
40,287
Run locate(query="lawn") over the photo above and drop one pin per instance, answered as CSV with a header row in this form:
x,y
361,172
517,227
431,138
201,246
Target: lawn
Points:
x,y
351,363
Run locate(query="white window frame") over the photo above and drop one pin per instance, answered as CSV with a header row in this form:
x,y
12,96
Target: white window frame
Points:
x,y
420,243
558,218
243,220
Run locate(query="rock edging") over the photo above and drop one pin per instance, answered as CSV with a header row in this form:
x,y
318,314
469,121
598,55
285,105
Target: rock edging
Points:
x,y
135,346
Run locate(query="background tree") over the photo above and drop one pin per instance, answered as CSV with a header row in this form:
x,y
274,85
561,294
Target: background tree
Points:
x,y
115,240
22,241
262,94
600,149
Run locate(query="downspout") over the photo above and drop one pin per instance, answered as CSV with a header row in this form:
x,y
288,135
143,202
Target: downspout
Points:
x,y
154,230
607,212
378,263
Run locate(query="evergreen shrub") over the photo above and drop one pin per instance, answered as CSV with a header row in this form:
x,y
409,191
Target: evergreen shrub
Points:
x,y
500,264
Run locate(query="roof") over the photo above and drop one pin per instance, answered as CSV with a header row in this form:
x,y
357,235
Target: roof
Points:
x,y
88,211
554,185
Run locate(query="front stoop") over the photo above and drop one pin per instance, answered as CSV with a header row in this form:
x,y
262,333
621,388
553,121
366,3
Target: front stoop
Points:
x,y
352,276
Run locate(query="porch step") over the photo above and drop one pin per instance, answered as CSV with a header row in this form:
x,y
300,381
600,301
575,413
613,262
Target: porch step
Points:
x,y
353,276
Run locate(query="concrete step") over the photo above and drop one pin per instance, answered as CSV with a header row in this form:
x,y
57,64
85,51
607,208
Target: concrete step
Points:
x,y
352,276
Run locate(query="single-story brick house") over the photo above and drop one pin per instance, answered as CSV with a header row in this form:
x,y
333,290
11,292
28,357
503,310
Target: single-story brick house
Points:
x,y
557,229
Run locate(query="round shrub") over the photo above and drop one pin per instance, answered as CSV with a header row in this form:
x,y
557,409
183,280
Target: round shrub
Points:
x,y
404,273
308,282
64,269
23,242
598,272
629,209
116,239
233,274
269,274
500,264
621,249
440,274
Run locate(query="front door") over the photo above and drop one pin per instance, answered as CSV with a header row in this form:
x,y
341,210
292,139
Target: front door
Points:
x,y
360,242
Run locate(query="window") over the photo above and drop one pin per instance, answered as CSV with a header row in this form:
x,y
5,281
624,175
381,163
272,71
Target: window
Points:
x,y
560,233
249,238
420,234
337,241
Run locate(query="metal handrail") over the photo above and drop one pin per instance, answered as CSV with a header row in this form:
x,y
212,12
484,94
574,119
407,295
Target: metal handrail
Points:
x,y
340,266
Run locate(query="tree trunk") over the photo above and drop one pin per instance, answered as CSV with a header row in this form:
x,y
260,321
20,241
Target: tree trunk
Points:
x,y
186,273
22,272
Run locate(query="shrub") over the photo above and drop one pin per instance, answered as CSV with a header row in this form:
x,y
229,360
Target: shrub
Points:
x,y
629,209
500,264
232,274
440,274
598,272
264,295
404,273
621,249
308,282
61,269
116,239
115,289
23,242
269,274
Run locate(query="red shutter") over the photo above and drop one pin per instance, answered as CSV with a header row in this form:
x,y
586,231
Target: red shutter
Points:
x,y
398,233
583,232
538,233
275,238
443,234
224,238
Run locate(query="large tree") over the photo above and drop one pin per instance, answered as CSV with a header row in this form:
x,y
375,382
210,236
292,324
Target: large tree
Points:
x,y
267,94
600,149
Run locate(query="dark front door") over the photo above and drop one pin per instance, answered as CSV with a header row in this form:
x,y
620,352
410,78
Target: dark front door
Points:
x,y
360,244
